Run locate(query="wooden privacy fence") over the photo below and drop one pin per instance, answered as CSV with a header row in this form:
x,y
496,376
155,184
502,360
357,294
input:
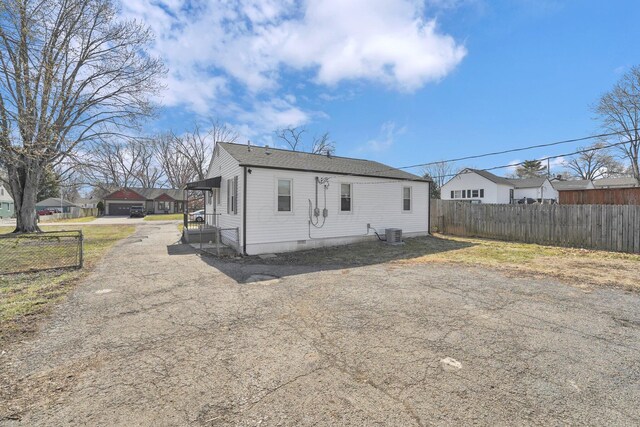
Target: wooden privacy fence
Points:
x,y
606,227
602,196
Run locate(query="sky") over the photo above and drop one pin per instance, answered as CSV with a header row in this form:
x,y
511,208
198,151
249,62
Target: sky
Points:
x,y
398,81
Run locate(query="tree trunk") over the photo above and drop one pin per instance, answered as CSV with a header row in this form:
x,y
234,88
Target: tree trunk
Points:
x,y
24,180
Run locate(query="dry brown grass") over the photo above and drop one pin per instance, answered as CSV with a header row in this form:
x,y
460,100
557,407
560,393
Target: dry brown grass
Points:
x,y
26,298
580,267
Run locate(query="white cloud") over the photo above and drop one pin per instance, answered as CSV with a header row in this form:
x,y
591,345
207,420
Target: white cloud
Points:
x,y
214,49
389,131
274,114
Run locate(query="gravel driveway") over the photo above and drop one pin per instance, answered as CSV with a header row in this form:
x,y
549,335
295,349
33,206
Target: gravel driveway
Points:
x,y
159,336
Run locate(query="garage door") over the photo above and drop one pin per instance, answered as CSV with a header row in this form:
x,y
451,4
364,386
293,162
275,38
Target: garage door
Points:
x,y
121,208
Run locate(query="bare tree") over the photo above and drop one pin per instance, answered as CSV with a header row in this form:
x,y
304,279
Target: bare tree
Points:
x,y
619,111
148,171
176,166
70,71
197,145
110,164
323,144
293,137
595,163
440,173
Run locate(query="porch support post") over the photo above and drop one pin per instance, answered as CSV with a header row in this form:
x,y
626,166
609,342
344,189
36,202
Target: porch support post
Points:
x,y
185,210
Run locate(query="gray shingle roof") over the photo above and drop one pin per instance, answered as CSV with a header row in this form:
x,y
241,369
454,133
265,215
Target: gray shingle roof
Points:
x,y
491,177
620,182
153,193
527,182
576,184
296,160
55,202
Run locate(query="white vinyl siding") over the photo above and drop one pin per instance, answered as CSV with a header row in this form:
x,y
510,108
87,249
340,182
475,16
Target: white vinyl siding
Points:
x,y
227,167
378,205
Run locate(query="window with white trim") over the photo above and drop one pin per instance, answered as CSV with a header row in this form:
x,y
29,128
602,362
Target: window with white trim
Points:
x,y
467,194
284,195
345,197
406,199
232,196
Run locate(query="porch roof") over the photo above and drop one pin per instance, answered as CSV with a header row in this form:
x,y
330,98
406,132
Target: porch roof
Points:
x,y
205,184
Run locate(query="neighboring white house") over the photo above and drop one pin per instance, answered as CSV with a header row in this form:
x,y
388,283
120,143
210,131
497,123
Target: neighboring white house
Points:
x,y
281,200
539,188
478,186
87,202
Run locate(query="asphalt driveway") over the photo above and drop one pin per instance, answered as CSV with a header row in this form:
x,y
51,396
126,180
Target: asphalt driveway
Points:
x,y
158,336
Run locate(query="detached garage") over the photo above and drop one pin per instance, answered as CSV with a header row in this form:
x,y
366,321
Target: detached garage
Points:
x,y
115,208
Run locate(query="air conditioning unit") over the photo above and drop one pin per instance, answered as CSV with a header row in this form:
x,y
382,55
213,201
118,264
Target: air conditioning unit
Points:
x,y
394,236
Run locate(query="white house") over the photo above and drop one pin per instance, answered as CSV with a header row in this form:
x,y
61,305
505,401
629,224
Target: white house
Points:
x,y
539,188
281,200
480,186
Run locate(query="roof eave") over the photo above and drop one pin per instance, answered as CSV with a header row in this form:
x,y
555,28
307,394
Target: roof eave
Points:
x,y
418,179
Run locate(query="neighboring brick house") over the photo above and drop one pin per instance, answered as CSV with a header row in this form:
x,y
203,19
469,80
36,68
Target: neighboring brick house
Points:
x,y
154,200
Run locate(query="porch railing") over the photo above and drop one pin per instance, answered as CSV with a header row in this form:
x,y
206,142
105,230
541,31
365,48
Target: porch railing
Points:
x,y
199,221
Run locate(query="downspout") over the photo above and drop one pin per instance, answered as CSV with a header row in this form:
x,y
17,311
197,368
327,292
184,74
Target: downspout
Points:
x,y
429,207
244,212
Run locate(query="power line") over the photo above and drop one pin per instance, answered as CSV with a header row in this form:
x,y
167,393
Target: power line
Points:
x,y
546,158
514,150
586,150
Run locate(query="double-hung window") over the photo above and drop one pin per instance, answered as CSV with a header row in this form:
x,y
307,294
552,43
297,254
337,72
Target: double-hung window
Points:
x,y
232,196
284,195
345,197
406,199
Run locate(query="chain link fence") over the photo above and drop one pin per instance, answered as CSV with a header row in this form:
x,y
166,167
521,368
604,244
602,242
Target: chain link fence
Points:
x,y
49,250
231,237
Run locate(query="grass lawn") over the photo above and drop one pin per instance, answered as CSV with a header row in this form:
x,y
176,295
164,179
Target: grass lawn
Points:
x,y
164,217
575,266
26,298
